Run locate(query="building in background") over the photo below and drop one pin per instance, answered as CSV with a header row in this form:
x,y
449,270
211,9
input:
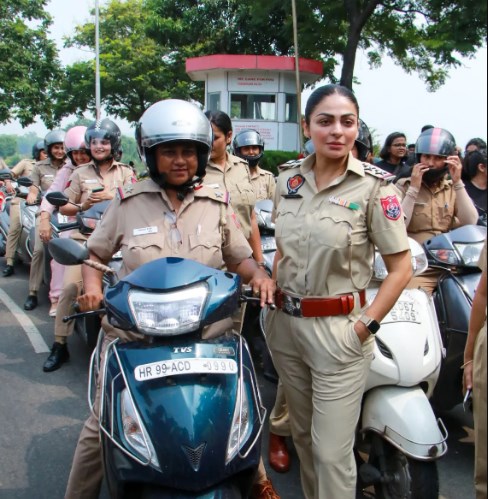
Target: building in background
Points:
x,y
257,92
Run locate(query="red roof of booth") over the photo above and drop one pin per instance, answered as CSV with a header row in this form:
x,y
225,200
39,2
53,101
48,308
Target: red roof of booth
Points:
x,y
195,66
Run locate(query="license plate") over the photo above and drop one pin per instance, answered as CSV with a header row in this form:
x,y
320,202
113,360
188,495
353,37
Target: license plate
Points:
x,y
166,368
403,311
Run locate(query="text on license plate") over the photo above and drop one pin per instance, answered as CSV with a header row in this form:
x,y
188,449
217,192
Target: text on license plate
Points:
x,y
403,311
175,367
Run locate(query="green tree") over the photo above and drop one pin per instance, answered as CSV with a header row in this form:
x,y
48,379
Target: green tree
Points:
x,y
29,66
135,70
8,145
424,36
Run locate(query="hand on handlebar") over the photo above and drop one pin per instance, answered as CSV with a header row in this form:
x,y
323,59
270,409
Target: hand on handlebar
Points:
x,y
45,230
90,301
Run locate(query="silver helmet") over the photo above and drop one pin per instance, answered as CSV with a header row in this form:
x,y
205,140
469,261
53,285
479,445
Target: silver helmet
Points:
x,y
248,138
170,121
53,137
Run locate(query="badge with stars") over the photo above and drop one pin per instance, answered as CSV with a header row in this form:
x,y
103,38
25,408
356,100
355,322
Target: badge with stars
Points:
x,y
391,207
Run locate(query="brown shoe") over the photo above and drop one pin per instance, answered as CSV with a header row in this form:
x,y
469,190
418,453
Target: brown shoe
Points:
x,y
279,458
264,490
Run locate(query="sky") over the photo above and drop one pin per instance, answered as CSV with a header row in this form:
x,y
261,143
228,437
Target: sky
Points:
x,y
390,100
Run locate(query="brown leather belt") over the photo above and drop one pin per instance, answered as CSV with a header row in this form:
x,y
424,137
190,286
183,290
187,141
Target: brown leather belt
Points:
x,y
317,307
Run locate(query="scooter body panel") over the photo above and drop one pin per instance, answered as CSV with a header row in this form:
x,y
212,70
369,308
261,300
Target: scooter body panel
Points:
x,y
188,417
408,346
404,417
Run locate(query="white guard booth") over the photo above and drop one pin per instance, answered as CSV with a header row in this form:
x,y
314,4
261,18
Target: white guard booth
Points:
x,y
257,92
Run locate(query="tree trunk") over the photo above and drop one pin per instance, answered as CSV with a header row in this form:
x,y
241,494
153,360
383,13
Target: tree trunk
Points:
x,y
349,57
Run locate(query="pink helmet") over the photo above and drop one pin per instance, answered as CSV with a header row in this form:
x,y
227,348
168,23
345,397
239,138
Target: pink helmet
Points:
x,y
75,140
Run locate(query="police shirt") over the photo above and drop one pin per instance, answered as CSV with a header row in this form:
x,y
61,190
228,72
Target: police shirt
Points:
x,y
236,180
263,183
144,226
327,237
434,210
43,174
87,177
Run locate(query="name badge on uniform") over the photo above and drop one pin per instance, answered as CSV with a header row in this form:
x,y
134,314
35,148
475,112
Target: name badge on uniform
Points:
x,y
91,181
145,230
48,176
213,186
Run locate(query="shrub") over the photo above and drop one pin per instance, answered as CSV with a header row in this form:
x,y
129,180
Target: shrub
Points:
x,y
272,159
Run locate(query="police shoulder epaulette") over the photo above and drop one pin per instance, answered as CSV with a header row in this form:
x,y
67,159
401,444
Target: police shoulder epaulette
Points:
x,y
377,172
129,190
217,194
293,163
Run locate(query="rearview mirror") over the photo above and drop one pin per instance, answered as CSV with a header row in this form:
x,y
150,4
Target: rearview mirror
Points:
x,y
68,251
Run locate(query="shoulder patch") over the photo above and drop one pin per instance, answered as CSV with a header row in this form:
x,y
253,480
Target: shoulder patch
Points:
x,y
130,190
293,163
215,194
377,172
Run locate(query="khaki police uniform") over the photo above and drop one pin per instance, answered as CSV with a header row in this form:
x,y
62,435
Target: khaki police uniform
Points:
x,y
236,180
479,402
327,240
434,213
22,169
263,183
144,226
82,181
42,176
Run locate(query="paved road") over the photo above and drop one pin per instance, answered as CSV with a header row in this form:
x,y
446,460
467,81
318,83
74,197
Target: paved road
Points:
x,y
41,414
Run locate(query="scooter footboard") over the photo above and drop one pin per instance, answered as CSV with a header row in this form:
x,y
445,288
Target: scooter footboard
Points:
x,y
404,417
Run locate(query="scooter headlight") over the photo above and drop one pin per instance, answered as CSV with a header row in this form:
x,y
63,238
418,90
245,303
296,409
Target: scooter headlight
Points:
x,y
134,432
418,256
168,314
469,253
241,425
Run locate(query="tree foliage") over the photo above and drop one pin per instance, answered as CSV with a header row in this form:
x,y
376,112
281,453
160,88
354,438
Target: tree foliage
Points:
x,y
29,67
135,70
423,36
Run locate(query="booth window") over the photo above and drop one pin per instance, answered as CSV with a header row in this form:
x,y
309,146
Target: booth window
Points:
x,y
253,106
214,101
291,108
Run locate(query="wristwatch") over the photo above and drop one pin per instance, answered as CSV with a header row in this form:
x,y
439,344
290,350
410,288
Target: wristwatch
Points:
x,y
372,325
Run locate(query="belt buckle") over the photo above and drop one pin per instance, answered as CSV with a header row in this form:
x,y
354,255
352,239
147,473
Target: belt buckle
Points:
x,y
291,305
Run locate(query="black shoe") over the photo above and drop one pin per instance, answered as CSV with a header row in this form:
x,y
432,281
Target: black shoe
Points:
x,y
8,271
58,356
30,303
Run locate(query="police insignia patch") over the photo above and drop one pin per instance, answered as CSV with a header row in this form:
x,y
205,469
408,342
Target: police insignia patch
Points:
x,y
294,183
391,207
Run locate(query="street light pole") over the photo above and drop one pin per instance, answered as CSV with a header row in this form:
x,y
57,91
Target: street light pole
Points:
x,y
297,74
97,62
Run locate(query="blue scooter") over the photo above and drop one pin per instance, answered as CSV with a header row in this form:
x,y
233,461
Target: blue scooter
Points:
x,y
180,416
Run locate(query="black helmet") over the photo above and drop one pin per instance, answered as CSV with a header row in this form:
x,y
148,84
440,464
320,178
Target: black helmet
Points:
x,y
53,137
363,142
173,120
104,129
435,141
37,148
248,138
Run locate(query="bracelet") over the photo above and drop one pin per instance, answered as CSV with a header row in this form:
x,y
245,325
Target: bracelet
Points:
x,y
467,363
458,186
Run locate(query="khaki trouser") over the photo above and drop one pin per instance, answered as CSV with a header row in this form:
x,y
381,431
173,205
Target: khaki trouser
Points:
x,y
323,368
279,419
72,285
86,474
14,232
36,274
479,413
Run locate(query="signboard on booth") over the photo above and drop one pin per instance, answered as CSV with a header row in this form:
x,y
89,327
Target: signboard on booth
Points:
x,y
253,82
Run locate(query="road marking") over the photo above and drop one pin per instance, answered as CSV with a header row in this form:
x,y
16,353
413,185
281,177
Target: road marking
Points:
x,y
27,325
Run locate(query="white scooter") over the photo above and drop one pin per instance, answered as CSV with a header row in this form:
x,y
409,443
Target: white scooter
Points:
x,y
399,438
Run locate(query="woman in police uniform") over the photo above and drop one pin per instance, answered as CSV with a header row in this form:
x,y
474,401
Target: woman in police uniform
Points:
x,y
330,212
170,214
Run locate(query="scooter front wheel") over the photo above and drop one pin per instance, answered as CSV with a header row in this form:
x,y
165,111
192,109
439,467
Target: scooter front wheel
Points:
x,y
405,478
